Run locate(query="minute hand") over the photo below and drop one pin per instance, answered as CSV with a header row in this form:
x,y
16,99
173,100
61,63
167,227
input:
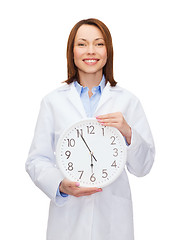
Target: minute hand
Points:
x,y
88,148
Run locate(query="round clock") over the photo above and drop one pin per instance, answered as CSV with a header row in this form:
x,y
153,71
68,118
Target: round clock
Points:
x,y
91,154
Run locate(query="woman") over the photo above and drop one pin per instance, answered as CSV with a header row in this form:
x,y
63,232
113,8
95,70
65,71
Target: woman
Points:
x,y
90,91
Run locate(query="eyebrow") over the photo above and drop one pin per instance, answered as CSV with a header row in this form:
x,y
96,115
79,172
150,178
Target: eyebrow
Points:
x,y
83,39
99,39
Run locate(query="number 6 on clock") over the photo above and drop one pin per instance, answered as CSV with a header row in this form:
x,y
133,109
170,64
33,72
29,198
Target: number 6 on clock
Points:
x,y
91,154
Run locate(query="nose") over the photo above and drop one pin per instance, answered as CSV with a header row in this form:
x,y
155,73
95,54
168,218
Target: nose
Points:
x,y
91,49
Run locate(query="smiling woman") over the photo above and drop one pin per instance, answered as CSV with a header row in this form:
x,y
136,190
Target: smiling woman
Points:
x,y
93,37
79,212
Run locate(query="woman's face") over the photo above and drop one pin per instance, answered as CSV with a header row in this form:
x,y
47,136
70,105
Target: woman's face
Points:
x,y
90,53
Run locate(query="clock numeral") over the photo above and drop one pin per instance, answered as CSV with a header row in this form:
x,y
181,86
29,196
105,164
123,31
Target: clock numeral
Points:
x,y
79,132
114,164
71,142
115,152
81,174
92,178
113,140
90,129
68,153
105,174
70,166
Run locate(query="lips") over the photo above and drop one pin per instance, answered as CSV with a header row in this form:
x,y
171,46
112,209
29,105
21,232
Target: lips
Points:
x,y
90,61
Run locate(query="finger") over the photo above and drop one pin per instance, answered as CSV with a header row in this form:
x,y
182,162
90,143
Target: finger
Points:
x,y
82,191
115,121
72,184
115,115
88,190
75,184
86,194
106,116
110,124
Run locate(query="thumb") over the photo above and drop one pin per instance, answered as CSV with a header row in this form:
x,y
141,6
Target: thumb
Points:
x,y
74,184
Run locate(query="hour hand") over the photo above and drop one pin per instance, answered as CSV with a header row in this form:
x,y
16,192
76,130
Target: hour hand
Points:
x,y
94,157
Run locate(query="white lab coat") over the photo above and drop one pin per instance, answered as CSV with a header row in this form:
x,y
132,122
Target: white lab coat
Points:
x,y
102,216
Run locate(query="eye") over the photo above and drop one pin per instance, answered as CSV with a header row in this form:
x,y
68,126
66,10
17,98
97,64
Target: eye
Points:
x,y
81,44
100,44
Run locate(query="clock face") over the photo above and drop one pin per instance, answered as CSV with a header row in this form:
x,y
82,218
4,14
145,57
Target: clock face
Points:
x,y
91,154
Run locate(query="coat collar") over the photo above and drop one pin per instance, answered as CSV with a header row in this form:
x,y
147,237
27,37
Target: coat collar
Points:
x,y
75,99
105,97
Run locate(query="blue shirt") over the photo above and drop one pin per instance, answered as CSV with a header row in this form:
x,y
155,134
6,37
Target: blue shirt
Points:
x,y
90,103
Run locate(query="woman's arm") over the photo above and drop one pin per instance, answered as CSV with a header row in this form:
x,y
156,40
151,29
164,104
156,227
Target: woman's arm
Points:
x,y
118,121
41,165
136,130
41,162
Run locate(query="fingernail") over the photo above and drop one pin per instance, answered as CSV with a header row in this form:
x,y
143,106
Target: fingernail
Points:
x,y
77,184
99,190
99,120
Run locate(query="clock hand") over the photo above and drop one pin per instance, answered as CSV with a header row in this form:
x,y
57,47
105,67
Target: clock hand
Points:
x,y
94,157
85,143
88,147
92,164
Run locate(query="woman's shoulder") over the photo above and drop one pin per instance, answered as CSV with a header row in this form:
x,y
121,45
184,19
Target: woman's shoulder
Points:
x,y
123,92
57,91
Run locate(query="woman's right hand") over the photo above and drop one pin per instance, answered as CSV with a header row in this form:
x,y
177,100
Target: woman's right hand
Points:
x,y
74,189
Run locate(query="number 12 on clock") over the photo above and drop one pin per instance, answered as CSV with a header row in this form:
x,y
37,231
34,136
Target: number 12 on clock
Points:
x,y
91,154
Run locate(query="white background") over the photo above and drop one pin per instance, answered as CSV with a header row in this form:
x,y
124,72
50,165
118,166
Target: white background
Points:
x,y
149,40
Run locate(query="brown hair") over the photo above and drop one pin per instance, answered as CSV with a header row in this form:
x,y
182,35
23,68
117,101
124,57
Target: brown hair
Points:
x,y
107,69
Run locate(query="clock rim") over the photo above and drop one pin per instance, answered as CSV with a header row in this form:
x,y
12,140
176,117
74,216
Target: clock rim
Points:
x,y
61,137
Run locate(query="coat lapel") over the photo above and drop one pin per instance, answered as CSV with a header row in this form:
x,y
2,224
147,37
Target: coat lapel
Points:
x,y
75,100
105,97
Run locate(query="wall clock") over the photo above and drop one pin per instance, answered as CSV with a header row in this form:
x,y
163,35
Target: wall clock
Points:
x,y
91,154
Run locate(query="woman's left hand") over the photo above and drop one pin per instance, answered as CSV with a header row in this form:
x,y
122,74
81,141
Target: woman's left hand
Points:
x,y
116,120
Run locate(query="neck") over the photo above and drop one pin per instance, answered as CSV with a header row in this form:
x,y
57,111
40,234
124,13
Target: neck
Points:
x,y
90,80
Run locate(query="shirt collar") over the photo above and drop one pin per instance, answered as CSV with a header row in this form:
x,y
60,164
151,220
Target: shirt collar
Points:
x,y
102,83
81,88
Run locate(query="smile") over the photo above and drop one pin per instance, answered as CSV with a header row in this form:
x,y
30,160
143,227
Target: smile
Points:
x,y
91,61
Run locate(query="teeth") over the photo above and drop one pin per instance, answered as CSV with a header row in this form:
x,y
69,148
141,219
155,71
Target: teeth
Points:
x,y
90,61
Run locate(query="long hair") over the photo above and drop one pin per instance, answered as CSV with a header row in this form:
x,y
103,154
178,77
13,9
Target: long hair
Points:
x,y
107,69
